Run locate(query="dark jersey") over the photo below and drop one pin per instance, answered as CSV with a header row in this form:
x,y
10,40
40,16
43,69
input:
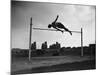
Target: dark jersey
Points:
x,y
58,25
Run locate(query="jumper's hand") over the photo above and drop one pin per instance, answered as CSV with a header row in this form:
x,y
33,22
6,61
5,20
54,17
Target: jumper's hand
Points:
x,y
56,18
62,31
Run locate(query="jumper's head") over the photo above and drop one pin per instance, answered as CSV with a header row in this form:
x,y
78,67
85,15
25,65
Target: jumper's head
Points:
x,y
49,26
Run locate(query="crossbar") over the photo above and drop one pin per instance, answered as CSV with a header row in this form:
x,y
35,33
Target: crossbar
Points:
x,y
54,30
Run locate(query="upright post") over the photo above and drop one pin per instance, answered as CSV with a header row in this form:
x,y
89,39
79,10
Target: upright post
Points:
x,y
81,42
30,36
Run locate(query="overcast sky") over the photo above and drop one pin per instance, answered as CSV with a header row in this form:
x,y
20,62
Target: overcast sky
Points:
x,y
72,16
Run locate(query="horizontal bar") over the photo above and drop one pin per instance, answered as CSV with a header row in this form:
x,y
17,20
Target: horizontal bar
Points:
x,y
55,30
76,31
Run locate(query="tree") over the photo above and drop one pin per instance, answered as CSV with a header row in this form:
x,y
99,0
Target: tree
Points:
x,y
55,46
33,46
44,45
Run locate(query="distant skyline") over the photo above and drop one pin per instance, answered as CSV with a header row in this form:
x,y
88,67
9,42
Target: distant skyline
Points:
x,y
74,17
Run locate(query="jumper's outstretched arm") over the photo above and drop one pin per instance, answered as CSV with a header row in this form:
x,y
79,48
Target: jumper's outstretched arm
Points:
x,y
56,18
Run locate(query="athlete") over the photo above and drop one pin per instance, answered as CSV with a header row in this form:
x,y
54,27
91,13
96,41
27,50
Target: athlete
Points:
x,y
58,26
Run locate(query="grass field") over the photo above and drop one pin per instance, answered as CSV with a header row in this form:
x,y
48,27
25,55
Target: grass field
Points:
x,y
51,64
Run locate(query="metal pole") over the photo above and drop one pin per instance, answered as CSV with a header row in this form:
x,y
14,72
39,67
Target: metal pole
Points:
x,y
30,36
81,42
